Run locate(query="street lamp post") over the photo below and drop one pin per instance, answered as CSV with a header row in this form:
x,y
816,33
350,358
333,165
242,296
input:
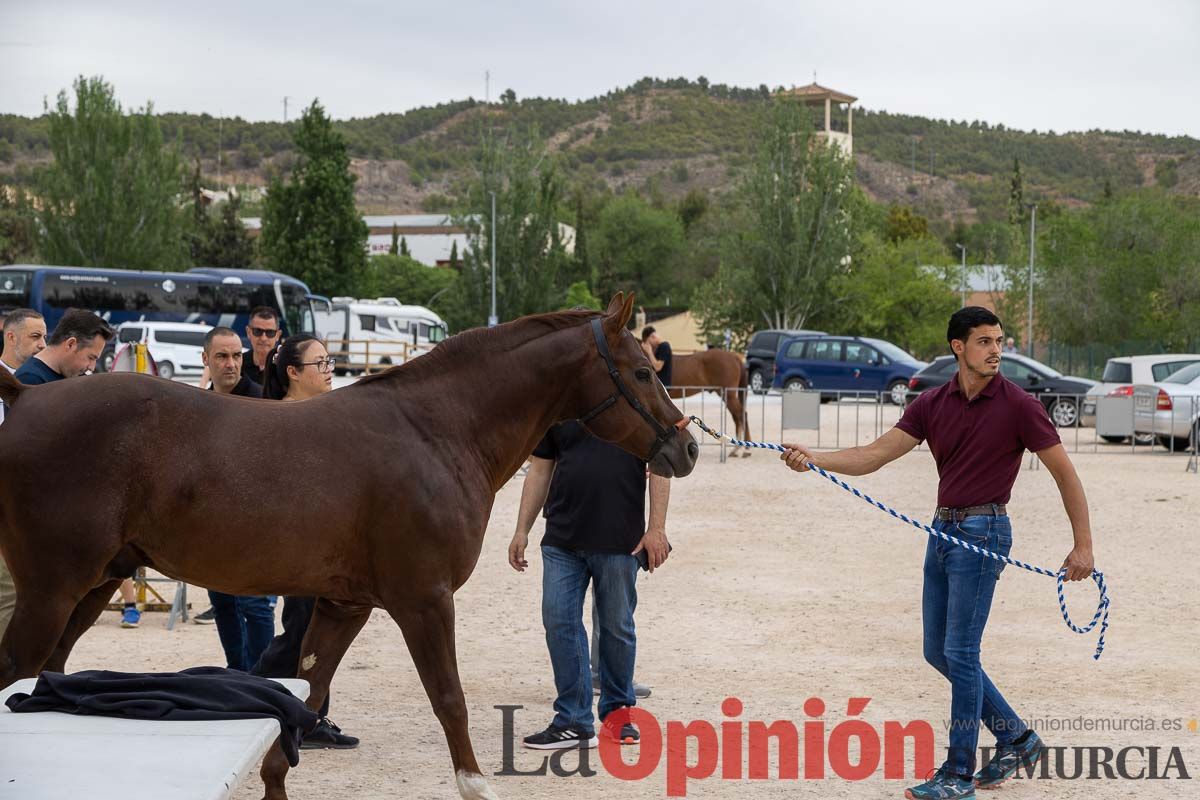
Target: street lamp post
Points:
x,y
493,320
962,279
1029,311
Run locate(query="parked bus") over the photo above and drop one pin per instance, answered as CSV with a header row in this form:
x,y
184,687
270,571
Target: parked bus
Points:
x,y
362,334
202,295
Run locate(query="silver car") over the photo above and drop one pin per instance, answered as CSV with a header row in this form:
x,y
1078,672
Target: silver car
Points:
x,y
1128,370
1170,409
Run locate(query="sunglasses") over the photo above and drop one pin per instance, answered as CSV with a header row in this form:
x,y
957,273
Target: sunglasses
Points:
x,y
267,332
323,365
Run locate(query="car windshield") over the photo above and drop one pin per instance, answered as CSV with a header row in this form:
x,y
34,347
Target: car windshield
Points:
x,y
1185,375
890,350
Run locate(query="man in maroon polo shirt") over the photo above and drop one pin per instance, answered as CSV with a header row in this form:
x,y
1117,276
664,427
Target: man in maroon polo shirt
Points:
x,y
978,427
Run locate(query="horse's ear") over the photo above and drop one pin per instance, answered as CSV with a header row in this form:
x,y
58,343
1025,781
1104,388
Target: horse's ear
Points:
x,y
620,310
615,305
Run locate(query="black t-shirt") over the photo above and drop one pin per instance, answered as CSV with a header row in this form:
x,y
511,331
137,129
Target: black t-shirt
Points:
x,y
245,388
597,500
663,354
250,369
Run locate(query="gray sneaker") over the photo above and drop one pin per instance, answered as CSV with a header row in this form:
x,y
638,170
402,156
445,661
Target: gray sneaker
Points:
x,y
640,690
205,617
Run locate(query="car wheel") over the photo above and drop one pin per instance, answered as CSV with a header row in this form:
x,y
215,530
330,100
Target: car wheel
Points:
x,y
1114,439
1144,439
1176,444
757,384
897,392
795,384
1064,412
166,370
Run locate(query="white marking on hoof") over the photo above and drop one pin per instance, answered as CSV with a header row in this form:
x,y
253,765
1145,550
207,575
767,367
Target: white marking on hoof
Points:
x,y
474,787
308,662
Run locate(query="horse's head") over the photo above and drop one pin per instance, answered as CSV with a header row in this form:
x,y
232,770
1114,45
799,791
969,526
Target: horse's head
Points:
x,y
622,400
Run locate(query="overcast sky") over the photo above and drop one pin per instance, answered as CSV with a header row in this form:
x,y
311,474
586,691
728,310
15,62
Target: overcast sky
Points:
x,y
1051,64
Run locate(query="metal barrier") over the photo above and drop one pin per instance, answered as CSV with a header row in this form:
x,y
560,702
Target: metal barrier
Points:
x,y
355,355
838,419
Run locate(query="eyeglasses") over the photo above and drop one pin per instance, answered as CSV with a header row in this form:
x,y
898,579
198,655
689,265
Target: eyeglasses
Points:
x,y
270,333
323,365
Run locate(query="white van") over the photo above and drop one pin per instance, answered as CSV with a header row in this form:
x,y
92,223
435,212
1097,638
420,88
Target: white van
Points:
x,y
379,332
176,347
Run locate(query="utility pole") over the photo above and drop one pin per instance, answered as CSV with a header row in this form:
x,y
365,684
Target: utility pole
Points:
x,y
493,320
962,280
487,87
285,99
1029,317
220,134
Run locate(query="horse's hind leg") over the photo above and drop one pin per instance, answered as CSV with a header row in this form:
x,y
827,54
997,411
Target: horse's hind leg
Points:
x,y
429,631
82,618
330,632
37,625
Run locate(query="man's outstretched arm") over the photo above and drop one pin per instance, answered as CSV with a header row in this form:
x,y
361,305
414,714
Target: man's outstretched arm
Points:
x,y
853,460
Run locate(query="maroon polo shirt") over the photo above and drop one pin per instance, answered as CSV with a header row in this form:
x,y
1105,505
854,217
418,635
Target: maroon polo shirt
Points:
x,y
978,443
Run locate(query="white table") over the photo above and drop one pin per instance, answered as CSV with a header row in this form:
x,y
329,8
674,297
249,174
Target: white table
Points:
x,y
56,756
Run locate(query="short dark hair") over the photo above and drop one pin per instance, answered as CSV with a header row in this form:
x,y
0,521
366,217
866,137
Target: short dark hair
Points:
x,y
18,316
647,332
264,311
963,320
220,330
80,325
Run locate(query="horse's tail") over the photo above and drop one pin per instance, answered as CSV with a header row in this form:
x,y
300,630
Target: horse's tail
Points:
x,y
10,387
744,391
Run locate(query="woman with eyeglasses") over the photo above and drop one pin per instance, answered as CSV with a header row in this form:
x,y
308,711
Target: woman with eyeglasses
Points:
x,y
300,368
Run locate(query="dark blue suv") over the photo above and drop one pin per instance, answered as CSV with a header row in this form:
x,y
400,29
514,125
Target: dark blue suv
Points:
x,y
845,363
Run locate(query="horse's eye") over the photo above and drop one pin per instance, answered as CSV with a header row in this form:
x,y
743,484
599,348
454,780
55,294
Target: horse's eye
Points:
x,y
643,375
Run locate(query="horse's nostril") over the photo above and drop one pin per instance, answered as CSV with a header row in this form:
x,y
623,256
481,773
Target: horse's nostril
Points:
x,y
693,450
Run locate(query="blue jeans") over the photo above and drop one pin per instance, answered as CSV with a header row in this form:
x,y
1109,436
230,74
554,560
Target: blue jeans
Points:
x,y
565,578
245,625
955,603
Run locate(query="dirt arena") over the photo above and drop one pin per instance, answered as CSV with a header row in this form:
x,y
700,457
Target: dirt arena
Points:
x,y
781,588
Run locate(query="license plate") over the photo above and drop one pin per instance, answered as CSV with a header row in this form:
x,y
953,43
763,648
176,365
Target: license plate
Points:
x,y
1142,401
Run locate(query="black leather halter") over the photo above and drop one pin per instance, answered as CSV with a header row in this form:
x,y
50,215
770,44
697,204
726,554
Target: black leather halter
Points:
x,y
664,432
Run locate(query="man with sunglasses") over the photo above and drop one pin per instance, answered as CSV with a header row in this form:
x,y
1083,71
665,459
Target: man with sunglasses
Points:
x,y
263,333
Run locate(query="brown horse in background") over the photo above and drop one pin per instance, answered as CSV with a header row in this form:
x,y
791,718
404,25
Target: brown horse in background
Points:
x,y
383,501
716,368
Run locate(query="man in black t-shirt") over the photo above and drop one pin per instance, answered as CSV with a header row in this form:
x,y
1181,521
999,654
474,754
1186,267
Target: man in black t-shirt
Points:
x,y
594,496
263,332
658,353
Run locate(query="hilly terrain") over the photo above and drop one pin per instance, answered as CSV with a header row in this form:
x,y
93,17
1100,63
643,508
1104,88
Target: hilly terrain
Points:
x,y
671,137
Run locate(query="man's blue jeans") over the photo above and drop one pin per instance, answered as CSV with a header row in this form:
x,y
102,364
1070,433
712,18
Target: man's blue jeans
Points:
x,y
955,604
245,624
565,578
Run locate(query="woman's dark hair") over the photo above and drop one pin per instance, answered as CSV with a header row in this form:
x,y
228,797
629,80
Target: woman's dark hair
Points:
x,y
289,353
963,320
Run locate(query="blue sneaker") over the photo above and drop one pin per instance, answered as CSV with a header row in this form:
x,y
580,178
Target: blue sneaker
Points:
x,y
943,785
130,617
1008,759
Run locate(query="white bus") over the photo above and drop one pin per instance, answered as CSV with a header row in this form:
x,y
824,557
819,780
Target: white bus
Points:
x,y
383,332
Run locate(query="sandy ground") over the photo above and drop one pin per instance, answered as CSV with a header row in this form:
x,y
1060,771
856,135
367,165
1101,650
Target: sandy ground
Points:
x,y
782,587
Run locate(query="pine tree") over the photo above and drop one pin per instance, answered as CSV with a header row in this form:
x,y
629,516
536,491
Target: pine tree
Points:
x,y
395,248
403,246
1016,196
454,255
311,227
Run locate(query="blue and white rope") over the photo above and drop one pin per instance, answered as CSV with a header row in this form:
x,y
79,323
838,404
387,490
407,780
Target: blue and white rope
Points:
x,y
1101,615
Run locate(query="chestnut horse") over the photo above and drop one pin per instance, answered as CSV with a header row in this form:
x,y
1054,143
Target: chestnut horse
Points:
x,y
722,369
382,500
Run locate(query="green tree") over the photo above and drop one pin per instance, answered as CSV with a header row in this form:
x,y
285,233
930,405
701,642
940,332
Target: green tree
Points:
x,y
580,296
454,256
415,283
404,247
110,197
1016,195
530,255
904,223
692,206
902,291
637,248
394,249
792,232
215,235
311,227
18,226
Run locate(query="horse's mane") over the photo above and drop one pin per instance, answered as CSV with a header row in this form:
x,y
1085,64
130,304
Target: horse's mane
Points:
x,y
482,340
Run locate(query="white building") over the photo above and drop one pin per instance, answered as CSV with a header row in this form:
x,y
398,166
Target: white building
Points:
x,y
428,237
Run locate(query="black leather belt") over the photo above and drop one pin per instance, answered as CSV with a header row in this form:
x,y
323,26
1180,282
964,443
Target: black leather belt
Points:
x,y
959,514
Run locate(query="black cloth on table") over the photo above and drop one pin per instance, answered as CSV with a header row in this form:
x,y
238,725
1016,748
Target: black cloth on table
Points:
x,y
200,693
